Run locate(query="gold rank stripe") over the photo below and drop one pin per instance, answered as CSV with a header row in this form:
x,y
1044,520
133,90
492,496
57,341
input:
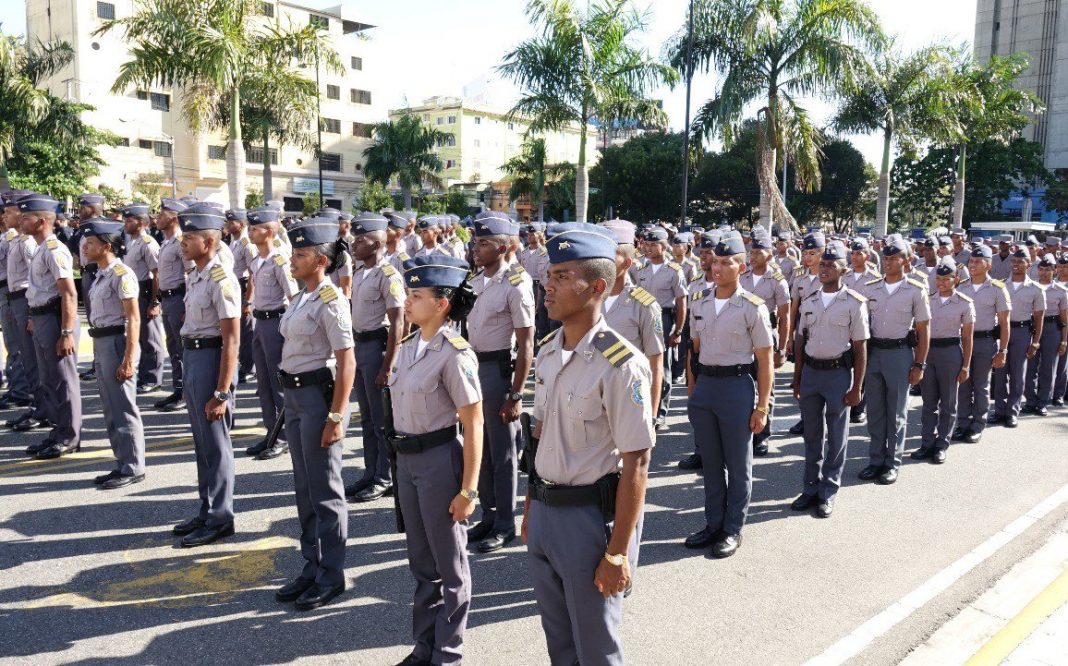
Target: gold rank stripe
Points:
x,y
616,352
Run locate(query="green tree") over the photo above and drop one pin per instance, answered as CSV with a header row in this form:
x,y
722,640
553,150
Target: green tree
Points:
x,y
775,53
725,189
208,49
25,105
529,173
1057,194
151,188
921,189
432,204
312,203
374,197
845,188
583,65
254,198
642,178
404,148
456,203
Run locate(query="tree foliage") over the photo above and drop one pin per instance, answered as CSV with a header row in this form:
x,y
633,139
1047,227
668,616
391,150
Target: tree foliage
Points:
x,y
373,197
404,148
641,179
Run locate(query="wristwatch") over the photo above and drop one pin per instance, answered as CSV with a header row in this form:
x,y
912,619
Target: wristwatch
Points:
x,y
65,332
471,495
919,366
513,396
221,396
615,560
334,417
763,410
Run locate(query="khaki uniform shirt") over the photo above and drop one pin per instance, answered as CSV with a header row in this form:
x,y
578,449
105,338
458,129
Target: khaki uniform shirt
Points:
x,y
893,315
19,256
244,252
805,284
666,284
1026,300
535,262
274,285
948,318
374,291
113,285
593,406
787,265
396,260
962,257
932,278
1001,267
636,316
5,247
502,305
988,298
313,328
428,388
212,295
771,287
424,251
172,265
1056,298
412,243
142,255
856,281
729,338
691,269
830,331
51,262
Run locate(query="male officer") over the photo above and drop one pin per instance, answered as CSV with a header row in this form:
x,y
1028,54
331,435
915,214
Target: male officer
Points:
x,y
378,326
172,268
53,308
1001,263
210,337
1060,381
832,332
142,256
805,283
731,330
429,227
1026,320
535,260
897,358
244,252
90,206
666,281
395,252
20,387
585,503
502,316
412,240
862,272
786,263
1041,368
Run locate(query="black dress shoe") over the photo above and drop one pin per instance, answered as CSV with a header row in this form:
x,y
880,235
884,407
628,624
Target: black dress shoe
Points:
x,y
727,545
995,419
354,488
760,449
257,448
273,452
804,502
104,477
825,508
797,428
1057,402
371,492
292,590
479,532
205,535
142,389
958,435
972,437
173,402
1041,411
29,423
858,416
702,539
495,541
412,660
938,457
922,453
34,449
870,472
188,527
122,480
1011,421
691,462
888,477
318,595
1028,409
87,376
58,449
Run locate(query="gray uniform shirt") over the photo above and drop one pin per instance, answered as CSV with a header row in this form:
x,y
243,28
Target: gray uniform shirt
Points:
x,y
592,405
428,388
534,261
142,256
5,246
1001,267
113,285
635,315
771,287
273,282
729,337
831,330
988,298
375,291
19,256
1026,300
396,260
212,295
1056,298
244,252
666,284
856,281
804,285
412,243
893,315
51,262
948,318
313,328
424,251
502,305
172,265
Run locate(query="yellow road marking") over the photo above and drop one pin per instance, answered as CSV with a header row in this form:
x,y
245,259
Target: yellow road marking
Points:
x,y
1001,644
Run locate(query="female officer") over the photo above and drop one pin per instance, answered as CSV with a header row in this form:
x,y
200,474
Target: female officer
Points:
x,y
436,378
115,326
316,370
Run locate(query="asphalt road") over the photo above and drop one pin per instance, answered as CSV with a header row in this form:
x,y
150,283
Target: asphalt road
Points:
x,y
88,576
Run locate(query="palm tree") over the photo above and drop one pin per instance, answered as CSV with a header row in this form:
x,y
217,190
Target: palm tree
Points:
x,y
776,52
404,148
531,175
906,98
583,66
207,48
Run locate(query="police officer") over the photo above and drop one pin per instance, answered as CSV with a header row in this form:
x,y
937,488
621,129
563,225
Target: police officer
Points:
x,y
948,362
1026,320
210,338
585,505
992,304
728,402
1041,368
114,324
434,386
1001,262
783,259
862,271
244,252
317,368
832,332
896,358
429,233
412,239
378,322
502,317
396,253
142,257
1060,382
171,271
19,389
961,253
805,283
90,206
53,308
536,262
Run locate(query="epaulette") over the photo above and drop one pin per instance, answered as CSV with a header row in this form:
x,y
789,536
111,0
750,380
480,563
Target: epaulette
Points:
x,y
543,251
997,283
410,336
244,240
403,256
673,265
923,273
277,242
388,270
875,281
11,235
120,270
642,296
778,276
697,278
459,343
799,271
280,260
855,294
327,293
916,283
515,277
612,348
52,243
967,299
541,343
753,298
218,273
697,295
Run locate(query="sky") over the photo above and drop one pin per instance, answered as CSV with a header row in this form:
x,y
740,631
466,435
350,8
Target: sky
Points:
x,y
423,48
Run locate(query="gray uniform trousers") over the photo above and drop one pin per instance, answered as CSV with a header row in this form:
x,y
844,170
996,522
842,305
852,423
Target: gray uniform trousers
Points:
x,y
499,475
173,308
267,354
20,312
973,395
564,546
719,411
88,277
887,384
939,391
1038,387
437,550
122,418
667,316
320,493
17,381
370,354
1060,378
61,393
765,434
150,371
1008,382
245,364
824,412
211,439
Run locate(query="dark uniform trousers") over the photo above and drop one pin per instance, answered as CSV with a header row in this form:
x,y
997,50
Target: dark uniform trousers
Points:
x,y
151,369
88,277
765,434
670,353
61,395
173,314
886,382
678,364
320,493
824,414
211,439
14,366
122,418
499,473
973,395
427,482
245,363
541,315
1060,380
20,312
370,354
1041,369
719,411
1008,387
267,354
939,391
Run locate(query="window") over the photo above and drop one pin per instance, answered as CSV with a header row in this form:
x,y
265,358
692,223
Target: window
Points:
x,y
426,117
124,142
330,161
293,204
478,164
359,168
511,126
357,63
161,101
450,164
333,92
334,203
267,9
441,120
105,10
478,144
319,21
452,120
478,120
161,148
331,125
141,94
144,143
254,155
450,140
362,130
216,152
358,96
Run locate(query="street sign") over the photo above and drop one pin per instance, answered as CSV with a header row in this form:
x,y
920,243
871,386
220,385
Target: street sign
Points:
x,y
311,185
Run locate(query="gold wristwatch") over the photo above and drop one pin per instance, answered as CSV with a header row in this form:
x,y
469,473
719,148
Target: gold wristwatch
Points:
x,y
470,495
615,560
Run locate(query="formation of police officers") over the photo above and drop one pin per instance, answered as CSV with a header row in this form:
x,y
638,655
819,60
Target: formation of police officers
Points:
x,y
436,339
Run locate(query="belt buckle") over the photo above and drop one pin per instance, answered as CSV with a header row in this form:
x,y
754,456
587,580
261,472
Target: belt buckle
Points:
x,y
196,343
296,381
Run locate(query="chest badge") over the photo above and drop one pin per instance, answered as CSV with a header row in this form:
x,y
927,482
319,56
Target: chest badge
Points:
x,y
636,393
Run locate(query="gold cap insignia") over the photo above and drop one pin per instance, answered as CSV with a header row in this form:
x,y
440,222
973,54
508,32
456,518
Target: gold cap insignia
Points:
x,y
563,245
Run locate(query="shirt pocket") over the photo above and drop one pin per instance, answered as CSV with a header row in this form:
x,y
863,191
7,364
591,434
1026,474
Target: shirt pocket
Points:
x,y
583,414
425,395
739,341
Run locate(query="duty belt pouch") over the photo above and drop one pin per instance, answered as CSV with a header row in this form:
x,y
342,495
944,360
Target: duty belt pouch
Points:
x,y
607,486
847,358
506,366
997,332
912,339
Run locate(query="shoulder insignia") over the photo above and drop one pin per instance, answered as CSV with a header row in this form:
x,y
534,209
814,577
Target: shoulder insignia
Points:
x,y
403,256
642,296
697,278
244,240
998,283
673,265
145,237
697,295
966,299
280,260
388,270
11,235
515,276
753,298
799,271
921,273
543,251
52,243
410,336
327,293
120,270
856,294
612,348
277,242
547,338
916,283
778,276
875,281
218,274
459,343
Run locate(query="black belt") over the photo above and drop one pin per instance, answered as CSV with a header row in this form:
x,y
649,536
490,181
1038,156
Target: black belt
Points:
x,y
419,443
1051,318
377,334
668,311
992,333
725,370
1026,323
600,493
51,307
90,268
843,361
491,356
145,287
945,342
177,291
3,284
297,380
202,343
16,294
889,343
107,331
268,314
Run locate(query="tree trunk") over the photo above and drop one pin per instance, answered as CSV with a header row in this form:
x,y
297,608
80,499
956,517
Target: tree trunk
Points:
x,y
582,178
958,188
882,203
406,192
766,217
268,176
541,211
768,180
235,155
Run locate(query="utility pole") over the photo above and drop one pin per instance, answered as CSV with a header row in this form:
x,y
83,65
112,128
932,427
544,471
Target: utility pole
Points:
x,y
174,177
319,126
686,128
